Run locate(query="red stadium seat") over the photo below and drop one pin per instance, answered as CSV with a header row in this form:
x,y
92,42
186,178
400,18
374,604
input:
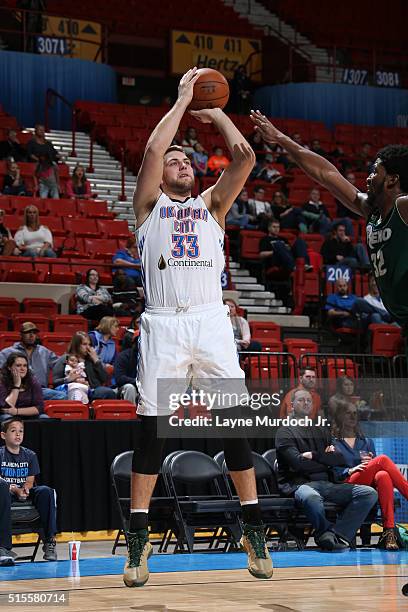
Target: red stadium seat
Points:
x,y
272,346
386,340
82,227
61,207
66,410
8,305
70,324
94,209
114,409
61,278
113,229
20,203
105,248
250,243
3,323
21,276
56,342
298,346
264,331
42,321
44,306
8,339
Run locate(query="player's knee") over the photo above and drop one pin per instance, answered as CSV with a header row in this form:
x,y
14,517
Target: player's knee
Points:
x,y
238,454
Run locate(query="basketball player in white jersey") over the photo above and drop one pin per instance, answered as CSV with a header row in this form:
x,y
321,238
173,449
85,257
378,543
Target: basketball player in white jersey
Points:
x,y
186,332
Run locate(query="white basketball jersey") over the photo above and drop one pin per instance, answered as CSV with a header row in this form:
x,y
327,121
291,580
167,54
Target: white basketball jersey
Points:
x,y
181,249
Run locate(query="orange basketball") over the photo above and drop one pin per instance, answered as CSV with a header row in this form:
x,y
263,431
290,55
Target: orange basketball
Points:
x,y
211,90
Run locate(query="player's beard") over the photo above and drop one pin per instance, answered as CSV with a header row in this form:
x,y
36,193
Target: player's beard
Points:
x,y
182,186
374,197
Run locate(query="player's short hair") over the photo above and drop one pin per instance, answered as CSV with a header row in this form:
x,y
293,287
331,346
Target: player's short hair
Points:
x,y
6,424
174,148
394,158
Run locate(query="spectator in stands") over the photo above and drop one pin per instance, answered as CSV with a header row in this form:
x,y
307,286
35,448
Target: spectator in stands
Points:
x,y
199,160
190,140
96,374
46,174
265,170
79,186
33,239
363,467
39,146
125,372
298,138
217,162
259,146
307,382
103,342
13,184
316,148
340,306
316,214
242,333
364,158
346,392
288,216
339,250
306,462
18,469
275,250
12,149
132,333
20,392
128,260
124,295
7,244
372,305
42,151
260,209
40,359
238,214
93,301
77,390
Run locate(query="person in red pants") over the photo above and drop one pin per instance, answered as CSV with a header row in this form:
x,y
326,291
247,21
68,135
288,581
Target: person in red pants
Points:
x,y
365,468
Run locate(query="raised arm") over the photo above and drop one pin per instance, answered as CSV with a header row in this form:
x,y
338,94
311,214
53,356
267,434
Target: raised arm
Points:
x,y
220,197
318,168
151,171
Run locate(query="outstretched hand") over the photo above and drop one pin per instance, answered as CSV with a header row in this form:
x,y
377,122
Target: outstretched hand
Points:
x,y
262,125
186,85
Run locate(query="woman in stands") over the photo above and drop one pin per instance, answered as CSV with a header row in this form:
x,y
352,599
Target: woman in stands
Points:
x,y
239,215
79,186
7,244
93,301
102,339
190,139
96,374
365,468
242,333
33,239
290,217
13,183
20,393
346,392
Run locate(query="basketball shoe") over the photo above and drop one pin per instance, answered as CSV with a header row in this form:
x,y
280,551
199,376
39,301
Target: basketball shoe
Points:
x,y
136,572
259,560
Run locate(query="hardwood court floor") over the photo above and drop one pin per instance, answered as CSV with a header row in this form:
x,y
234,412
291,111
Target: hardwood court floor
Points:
x,y
375,588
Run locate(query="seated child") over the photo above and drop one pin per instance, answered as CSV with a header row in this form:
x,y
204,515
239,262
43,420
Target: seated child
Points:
x,y
78,389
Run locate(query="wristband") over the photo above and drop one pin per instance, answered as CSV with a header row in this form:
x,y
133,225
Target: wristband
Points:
x,y
16,387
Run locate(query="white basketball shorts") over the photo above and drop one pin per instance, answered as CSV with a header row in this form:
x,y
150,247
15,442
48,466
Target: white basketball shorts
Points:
x,y
190,347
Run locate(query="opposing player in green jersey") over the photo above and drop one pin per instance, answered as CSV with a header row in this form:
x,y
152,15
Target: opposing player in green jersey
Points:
x,y
384,206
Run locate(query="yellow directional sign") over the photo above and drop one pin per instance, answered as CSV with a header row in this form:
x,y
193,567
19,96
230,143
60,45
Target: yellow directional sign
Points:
x,y
223,53
71,29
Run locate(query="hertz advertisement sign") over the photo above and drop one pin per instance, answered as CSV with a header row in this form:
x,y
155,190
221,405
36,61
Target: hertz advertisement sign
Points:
x,y
223,53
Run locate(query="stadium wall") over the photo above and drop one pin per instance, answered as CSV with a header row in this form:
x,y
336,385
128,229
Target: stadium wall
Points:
x,y
335,103
25,77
